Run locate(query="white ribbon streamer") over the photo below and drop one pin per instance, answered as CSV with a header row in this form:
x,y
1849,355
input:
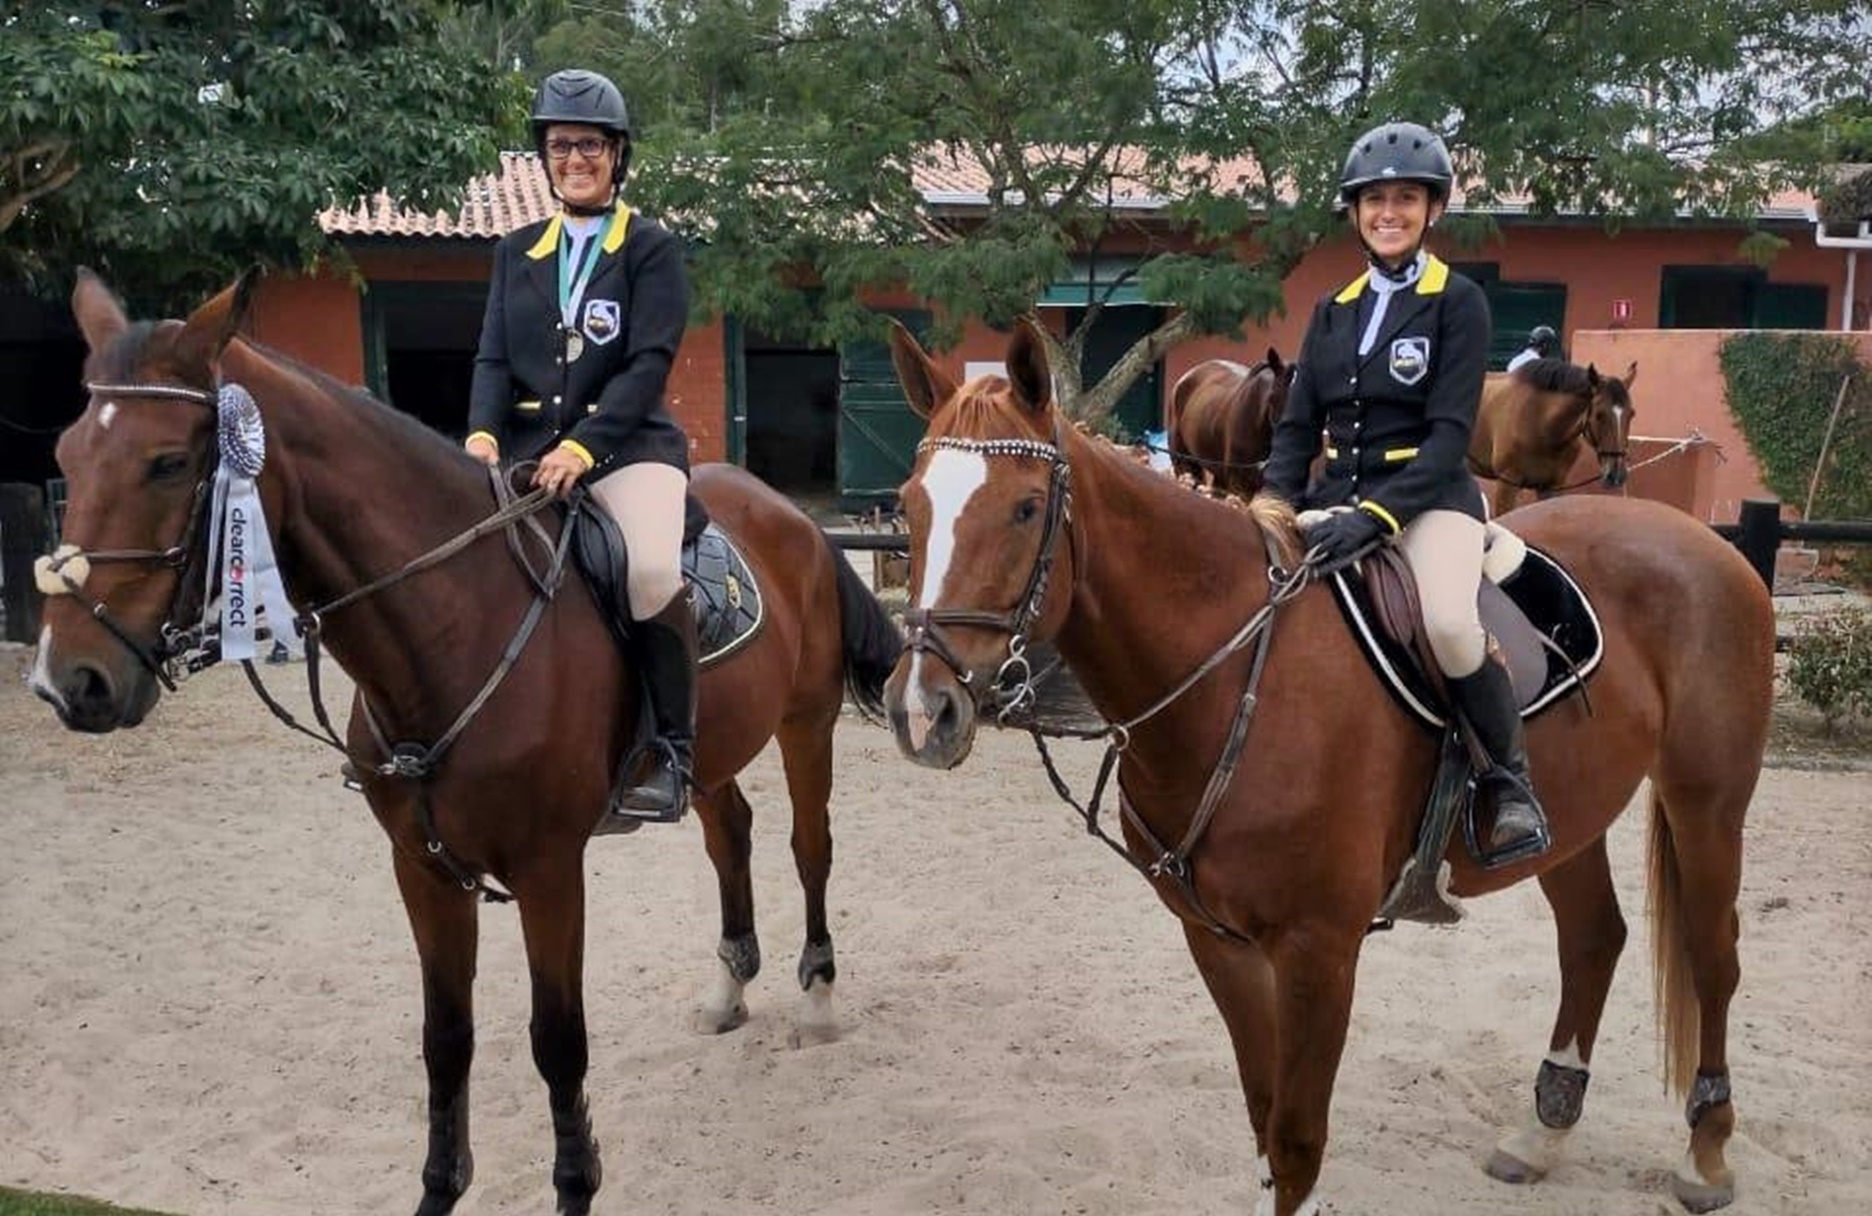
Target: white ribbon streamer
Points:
x,y
240,545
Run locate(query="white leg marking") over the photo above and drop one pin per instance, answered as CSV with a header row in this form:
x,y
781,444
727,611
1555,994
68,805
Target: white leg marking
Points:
x,y
41,679
1568,1056
1264,1186
817,1023
723,1008
950,480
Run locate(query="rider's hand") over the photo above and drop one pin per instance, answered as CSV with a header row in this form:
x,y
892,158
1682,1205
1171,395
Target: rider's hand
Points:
x,y
1343,533
559,470
482,448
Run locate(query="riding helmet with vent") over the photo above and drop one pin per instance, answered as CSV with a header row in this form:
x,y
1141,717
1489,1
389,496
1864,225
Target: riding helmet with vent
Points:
x,y
1543,339
577,96
1397,152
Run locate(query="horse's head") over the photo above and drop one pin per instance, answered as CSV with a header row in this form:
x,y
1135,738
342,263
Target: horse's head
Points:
x,y
1609,412
990,565
136,464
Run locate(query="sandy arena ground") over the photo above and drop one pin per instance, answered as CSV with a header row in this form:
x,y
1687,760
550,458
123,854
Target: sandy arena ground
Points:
x,y
210,1007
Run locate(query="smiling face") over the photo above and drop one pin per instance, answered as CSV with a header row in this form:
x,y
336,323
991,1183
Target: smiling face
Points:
x,y
581,160
1392,218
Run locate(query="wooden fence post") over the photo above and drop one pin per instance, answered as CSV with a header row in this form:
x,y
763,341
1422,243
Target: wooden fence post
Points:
x,y
1760,536
22,539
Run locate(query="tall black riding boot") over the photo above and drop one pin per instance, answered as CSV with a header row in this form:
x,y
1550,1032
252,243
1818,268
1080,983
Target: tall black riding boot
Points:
x,y
666,650
1487,699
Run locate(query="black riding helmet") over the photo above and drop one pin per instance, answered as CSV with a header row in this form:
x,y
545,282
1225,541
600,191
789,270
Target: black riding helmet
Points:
x,y
578,96
1397,152
1543,339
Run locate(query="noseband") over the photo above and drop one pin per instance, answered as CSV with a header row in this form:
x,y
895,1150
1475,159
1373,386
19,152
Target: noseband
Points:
x,y
173,642
1013,687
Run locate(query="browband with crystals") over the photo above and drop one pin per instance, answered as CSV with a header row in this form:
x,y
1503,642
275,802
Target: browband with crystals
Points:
x,y
992,447
176,391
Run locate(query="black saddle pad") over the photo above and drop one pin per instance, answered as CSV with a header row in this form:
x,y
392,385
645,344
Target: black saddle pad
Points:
x,y
1554,605
728,606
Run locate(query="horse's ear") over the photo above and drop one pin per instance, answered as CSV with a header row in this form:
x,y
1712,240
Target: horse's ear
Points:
x,y
1027,367
212,326
925,385
1631,374
1592,376
1274,361
100,315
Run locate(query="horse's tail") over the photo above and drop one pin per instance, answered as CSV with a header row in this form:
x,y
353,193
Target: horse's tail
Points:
x,y
872,641
1679,1024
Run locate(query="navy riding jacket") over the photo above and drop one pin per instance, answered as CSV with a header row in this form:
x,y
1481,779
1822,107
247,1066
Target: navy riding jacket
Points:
x,y
608,400
1397,420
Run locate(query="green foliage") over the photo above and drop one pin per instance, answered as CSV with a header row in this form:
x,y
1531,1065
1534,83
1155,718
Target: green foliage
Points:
x,y
1781,389
783,136
169,145
1830,665
35,1203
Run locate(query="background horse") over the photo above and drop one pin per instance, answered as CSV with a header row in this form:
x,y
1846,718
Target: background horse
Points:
x,y
1536,422
1222,419
355,490
1144,586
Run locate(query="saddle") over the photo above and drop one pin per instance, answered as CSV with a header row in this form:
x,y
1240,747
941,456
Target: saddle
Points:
x,y
729,610
1542,628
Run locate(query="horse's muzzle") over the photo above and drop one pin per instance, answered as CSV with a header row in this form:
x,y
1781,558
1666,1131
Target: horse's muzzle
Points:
x,y
932,715
1614,473
88,697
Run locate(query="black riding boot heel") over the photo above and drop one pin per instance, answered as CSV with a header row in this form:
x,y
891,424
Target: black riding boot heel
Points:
x,y
1487,700
666,650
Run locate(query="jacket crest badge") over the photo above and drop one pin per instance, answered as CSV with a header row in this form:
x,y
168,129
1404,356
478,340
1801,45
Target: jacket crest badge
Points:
x,y
601,320
1410,359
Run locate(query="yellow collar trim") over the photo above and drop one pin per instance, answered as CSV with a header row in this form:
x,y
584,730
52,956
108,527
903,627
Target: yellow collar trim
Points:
x,y
1434,279
615,233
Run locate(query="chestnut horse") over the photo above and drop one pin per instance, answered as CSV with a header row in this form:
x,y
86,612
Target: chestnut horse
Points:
x,y
1536,422
353,490
1173,613
1222,419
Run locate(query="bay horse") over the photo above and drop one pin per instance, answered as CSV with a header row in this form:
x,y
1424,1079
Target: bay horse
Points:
x,y
1221,421
356,489
1180,615
1536,422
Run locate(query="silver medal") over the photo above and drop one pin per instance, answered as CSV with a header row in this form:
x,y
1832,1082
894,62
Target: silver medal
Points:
x,y
575,345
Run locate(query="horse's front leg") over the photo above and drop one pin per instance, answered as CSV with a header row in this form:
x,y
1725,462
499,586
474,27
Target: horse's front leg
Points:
x,y
443,918
551,895
1591,933
1313,977
1241,983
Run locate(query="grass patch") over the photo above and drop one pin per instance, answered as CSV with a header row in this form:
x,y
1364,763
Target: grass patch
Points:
x,y
39,1203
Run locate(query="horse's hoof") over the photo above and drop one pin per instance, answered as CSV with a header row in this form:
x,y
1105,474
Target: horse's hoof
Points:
x,y
721,1021
1506,1167
1702,1196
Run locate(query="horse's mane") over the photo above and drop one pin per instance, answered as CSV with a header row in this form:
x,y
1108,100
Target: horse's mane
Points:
x,y
1555,376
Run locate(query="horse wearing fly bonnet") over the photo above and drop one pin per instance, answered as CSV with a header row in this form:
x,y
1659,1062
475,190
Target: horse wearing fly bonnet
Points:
x,y
1270,790
490,700
1539,421
1221,421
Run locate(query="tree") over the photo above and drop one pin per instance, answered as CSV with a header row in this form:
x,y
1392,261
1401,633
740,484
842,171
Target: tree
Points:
x,y
785,137
169,144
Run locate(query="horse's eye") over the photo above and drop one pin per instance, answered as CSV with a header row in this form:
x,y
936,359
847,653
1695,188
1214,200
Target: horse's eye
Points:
x,y
169,466
1026,510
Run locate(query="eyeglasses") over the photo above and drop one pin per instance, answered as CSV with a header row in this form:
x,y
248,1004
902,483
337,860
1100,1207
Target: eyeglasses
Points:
x,y
591,147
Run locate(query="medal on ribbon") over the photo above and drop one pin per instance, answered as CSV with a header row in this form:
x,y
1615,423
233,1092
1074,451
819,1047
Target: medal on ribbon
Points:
x,y
574,345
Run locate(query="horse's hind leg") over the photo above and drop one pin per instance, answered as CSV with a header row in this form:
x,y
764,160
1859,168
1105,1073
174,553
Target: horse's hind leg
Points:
x,y
806,754
443,920
727,822
1696,874
1591,934
1242,985
551,896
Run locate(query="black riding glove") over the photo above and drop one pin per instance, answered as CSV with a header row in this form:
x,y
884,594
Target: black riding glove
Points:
x,y
1342,534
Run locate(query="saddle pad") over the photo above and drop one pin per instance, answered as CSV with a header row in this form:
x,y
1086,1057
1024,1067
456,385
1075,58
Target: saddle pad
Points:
x,y
728,605
1544,593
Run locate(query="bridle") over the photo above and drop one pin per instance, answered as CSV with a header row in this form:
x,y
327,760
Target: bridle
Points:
x,y
1013,686
169,656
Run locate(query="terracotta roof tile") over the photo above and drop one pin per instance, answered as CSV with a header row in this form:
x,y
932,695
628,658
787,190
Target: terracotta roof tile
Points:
x,y
498,203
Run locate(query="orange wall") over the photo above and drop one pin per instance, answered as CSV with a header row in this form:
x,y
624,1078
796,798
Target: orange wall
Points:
x,y
313,318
